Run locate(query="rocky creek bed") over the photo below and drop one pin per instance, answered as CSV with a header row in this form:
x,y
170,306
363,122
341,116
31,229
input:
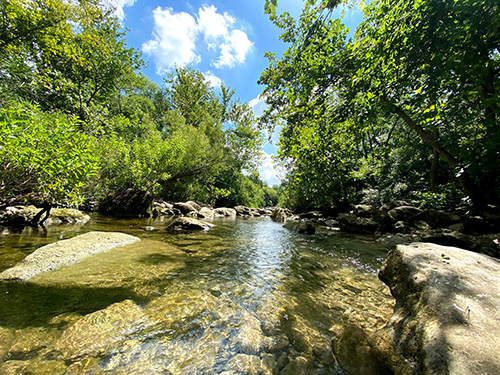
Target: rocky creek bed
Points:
x,y
246,297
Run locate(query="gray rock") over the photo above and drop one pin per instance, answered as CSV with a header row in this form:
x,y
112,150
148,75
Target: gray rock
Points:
x,y
448,237
447,314
355,224
22,215
189,223
206,212
300,227
441,219
390,205
404,213
311,215
225,212
66,252
185,208
365,210
280,214
195,205
243,211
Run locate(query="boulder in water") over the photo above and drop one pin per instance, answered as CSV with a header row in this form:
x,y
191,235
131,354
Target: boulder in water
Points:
x,y
447,314
189,223
300,227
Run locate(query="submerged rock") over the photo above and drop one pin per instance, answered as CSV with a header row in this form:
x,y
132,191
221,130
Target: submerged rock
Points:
x,y
447,314
66,252
96,333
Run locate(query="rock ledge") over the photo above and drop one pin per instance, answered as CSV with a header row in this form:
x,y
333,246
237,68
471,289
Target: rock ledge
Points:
x,y
447,314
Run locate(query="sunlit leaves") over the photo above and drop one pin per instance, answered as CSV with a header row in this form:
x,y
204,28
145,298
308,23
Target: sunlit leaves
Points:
x,y
44,153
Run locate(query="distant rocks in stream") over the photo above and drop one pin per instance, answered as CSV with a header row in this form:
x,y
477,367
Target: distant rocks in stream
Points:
x,y
399,222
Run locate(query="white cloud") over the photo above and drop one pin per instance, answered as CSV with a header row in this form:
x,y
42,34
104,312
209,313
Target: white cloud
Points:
x,y
174,36
234,49
118,6
212,79
213,25
258,105
267,170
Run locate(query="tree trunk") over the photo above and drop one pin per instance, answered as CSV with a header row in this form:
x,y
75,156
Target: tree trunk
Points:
x,y
434,165
463,176
36,220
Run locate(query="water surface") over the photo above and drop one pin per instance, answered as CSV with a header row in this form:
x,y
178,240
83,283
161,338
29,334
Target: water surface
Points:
x,y
246,297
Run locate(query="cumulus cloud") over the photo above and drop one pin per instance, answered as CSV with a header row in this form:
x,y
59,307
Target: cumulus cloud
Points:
x,y
212,79
233,50
268,171
118,6
213,25
177,38
258,105
173,42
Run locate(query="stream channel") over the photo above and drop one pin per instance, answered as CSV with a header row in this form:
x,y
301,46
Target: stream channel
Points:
x,y
246,297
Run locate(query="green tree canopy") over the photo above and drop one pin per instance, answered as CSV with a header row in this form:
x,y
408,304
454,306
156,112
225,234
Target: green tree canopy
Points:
x,y
434,66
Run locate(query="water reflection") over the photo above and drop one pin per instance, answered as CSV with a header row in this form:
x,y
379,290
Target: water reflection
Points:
x,y
246,297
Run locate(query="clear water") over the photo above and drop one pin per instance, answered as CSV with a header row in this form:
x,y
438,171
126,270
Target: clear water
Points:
x,y
246,297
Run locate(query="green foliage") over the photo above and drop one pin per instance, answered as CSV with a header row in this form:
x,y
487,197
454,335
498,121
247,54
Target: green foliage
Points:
x,y
75,48
70,59
44,153
415,92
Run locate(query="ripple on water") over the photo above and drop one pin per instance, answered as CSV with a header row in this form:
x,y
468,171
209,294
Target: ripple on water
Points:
x,y
246,297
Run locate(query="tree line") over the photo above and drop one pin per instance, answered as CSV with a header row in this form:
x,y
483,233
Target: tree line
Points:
x,y
404,107
78,119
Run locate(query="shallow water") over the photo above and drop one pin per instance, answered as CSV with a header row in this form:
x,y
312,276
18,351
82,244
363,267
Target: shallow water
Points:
x,y
246,297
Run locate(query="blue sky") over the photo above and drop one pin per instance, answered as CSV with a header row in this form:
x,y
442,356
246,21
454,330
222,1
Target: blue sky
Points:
x,y
225,40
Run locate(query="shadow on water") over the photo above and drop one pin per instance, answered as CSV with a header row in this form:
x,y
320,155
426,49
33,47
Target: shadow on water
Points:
x,y
24,304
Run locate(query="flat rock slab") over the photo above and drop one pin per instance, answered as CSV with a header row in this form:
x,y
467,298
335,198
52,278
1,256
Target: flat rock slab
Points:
x,y
447,314
66,252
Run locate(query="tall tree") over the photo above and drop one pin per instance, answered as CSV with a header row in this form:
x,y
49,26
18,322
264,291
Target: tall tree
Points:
x,y
435,66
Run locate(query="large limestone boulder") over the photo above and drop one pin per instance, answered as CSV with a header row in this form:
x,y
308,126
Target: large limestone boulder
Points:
x,y
243,211
185,208
447,314
300,227
66,252
354,224
280,214
189,223
23,215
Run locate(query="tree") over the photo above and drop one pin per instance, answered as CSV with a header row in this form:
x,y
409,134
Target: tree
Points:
x,y
434,66
61,55
44,153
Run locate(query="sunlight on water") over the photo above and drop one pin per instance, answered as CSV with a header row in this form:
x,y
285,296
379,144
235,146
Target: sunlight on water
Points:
x,y
247,297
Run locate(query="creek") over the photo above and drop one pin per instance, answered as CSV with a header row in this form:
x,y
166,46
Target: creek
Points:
x,y
246,297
